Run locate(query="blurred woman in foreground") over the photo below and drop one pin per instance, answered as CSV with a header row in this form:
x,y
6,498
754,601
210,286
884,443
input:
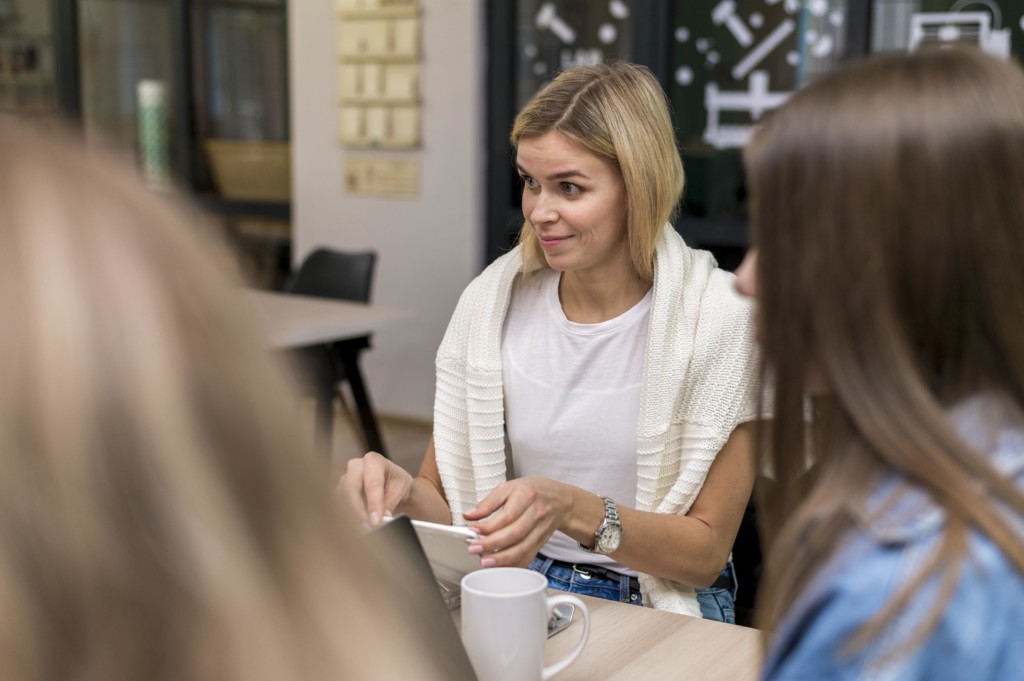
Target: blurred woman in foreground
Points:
x,y
889,233
158,516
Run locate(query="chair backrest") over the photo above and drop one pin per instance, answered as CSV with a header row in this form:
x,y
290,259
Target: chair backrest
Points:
x,y
334,274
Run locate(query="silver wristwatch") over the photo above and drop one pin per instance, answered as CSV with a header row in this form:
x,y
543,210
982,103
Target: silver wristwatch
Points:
x,y
608,537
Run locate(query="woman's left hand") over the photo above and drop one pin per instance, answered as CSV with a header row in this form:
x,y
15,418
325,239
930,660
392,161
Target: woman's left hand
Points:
x,y
526,512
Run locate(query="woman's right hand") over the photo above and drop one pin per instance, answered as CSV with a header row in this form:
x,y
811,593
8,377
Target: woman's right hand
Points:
x,y
374,487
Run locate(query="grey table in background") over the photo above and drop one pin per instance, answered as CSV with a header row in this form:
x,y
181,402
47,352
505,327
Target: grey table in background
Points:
x,y
299,321
294,322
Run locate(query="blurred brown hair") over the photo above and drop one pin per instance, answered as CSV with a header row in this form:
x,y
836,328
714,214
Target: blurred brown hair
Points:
x,y
160,517
888,221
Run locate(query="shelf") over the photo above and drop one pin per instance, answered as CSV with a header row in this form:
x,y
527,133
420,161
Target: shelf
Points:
x,y
23,38
256,209
32,79
380,101
29,111
242,4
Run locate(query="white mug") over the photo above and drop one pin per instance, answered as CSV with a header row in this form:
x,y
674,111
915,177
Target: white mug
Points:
x,y
505,613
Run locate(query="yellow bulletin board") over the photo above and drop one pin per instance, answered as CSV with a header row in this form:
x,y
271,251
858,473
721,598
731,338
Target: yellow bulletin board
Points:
x,y
379,70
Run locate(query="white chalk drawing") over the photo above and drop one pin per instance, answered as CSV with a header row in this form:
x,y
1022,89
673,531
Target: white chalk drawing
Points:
x,y
547,18
755,101
822,47
580,57
997,14
759,39
763,49
725,13
575,50
954,26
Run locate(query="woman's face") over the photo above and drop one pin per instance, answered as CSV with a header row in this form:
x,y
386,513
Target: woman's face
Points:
x,y
576,203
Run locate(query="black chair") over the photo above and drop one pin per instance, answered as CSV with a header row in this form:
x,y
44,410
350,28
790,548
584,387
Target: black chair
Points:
x,y
327,273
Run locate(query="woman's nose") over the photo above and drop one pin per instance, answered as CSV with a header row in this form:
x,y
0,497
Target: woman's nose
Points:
x,y
746,275
542,210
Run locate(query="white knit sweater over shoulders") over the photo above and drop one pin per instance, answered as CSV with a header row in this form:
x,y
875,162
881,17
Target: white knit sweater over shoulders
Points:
x,y
700,372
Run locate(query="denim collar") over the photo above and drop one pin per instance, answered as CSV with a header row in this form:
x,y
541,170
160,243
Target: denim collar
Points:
x,y
897,511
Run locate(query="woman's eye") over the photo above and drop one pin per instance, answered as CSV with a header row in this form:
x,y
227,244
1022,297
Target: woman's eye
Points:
x,y
529,182
570,188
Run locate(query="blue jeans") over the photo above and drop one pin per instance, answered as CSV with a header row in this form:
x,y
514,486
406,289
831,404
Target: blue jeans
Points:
x,y
719,602
716,603
572,580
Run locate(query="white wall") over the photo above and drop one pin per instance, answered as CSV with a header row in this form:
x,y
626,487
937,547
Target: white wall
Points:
x,y
429,247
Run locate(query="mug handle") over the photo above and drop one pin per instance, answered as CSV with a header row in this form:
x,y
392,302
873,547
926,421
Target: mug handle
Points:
x,y
575,652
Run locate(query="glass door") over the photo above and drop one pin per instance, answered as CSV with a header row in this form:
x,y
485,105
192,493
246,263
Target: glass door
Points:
x,y
239,56
125,74
26,60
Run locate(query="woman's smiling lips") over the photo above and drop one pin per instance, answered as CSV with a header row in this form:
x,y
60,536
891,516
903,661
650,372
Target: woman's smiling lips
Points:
x,y
551,241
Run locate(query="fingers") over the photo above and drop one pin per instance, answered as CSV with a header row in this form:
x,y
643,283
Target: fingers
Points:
x,y
518,552
513,533
491,503
350,487
373,487
504,505
374,483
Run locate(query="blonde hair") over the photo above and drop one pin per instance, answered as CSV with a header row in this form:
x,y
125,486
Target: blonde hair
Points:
x,y
889,262
159,516
618,112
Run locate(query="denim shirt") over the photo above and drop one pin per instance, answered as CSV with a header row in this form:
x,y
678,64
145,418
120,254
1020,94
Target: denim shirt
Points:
x,y
980,633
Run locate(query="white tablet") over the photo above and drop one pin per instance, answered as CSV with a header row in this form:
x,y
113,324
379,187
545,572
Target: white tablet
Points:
x,y
447,548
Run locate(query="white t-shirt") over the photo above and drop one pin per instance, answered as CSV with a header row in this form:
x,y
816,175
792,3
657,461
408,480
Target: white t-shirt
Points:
x,y
572,398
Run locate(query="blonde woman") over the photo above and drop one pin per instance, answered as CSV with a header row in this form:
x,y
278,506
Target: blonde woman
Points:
x,y
158,516
616,362
887,219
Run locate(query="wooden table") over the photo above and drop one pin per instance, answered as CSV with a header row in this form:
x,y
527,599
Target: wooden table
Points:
x,y
298,321
629,643
295,322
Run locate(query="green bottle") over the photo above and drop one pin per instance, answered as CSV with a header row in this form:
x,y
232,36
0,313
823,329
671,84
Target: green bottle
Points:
x,y
153,149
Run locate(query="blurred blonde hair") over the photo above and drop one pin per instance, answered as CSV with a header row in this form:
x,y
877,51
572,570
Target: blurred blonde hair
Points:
x,y
618,112
159,518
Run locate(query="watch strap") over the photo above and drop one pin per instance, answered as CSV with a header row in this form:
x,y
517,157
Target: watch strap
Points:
x,y
611,517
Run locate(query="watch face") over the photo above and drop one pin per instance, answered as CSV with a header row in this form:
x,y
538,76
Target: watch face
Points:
x,y
611,537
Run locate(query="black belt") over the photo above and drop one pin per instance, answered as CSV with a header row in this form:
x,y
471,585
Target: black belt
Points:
x,y
724,580
588,571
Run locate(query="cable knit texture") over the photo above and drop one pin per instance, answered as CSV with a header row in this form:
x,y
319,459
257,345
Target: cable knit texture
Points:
x,y
700,378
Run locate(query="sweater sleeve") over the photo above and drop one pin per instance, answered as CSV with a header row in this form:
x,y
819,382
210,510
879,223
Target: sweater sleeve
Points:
x,y
723,376
469,442
720,390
